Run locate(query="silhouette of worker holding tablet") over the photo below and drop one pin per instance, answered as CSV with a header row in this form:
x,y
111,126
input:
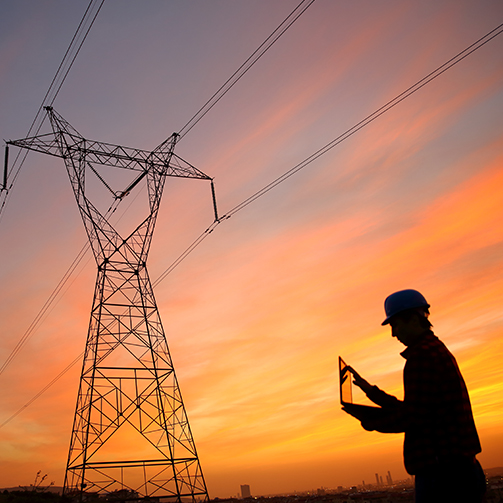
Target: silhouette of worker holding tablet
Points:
x,y
441,440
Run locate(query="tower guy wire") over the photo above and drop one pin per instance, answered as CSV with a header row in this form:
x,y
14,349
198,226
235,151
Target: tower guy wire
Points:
x,y
317,154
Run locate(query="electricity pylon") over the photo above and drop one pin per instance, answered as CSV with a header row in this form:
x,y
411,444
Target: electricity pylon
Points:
x,y
130,430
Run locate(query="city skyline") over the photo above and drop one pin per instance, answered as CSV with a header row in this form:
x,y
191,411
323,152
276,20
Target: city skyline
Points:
x,y
257,315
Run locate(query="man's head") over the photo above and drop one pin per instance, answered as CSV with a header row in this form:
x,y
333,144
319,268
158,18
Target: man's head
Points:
x,y
407,312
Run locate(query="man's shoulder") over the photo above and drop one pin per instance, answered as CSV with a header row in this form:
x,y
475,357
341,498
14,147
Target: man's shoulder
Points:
x,y
430,346
430,340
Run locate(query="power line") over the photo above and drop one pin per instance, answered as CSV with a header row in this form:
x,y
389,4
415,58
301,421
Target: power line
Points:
x,y
370,118
336,141
78,39
43,390
51,302
229,83
187,252
217,96
46,308
240,72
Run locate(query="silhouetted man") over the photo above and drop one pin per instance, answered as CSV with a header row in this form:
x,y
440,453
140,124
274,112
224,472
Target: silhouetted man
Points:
x,y
441,440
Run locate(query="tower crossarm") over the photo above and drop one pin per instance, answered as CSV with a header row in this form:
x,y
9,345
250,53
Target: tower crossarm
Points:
x,y
107,154
128,393
46,144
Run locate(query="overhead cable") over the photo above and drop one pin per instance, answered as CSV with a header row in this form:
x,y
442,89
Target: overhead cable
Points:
x,y
43,390
46,308
62,72
336,141
240,72
370,118
51,302
51,95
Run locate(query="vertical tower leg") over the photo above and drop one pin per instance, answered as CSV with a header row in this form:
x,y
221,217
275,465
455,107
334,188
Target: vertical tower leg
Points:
x,y
130,431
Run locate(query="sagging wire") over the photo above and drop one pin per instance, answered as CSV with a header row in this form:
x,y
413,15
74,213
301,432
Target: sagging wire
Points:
x,y
252,59
50,96
229,83
339,139
336,141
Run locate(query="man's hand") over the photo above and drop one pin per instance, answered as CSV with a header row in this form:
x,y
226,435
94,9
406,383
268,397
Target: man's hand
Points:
x,y
358,414
364,385
352,412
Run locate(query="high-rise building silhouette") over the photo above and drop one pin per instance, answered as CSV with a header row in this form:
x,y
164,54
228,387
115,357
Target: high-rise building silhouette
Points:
x,y
245,491
389,480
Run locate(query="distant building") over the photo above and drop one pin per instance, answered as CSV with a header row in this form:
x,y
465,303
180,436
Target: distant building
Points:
x,y
245,491
389,480
377,479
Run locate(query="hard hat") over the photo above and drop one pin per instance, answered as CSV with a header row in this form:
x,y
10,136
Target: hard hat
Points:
x,y
402,301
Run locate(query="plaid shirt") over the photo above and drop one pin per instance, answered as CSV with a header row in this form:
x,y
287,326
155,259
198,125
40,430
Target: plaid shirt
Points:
x,y
435,414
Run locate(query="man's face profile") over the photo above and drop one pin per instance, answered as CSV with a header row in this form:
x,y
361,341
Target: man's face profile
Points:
x,y
405,328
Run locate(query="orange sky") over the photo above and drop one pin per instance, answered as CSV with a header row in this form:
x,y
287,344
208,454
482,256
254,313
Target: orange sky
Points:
x,y
257,315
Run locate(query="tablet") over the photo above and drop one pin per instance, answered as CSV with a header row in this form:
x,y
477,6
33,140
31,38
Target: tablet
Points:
x,y
345,383
346,392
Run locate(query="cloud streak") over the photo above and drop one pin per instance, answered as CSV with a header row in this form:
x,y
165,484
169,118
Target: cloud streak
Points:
x,y
256,316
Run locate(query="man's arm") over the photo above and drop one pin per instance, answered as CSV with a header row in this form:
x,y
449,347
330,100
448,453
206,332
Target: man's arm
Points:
x,y
389,418
377,418
375,394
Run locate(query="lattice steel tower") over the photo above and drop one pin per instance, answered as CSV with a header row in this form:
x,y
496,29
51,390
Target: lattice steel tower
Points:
x,y
128,389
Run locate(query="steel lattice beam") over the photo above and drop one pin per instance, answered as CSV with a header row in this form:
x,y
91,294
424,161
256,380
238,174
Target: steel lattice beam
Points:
x,y
128,387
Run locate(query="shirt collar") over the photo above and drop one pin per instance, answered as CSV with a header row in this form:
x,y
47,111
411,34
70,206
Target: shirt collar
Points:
x,y
410,349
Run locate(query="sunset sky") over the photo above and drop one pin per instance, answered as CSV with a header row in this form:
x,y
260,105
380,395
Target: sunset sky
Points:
x,y
258,314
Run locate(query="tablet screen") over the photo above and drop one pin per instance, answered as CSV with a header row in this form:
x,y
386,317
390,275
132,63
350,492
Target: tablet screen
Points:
x,y
345,382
